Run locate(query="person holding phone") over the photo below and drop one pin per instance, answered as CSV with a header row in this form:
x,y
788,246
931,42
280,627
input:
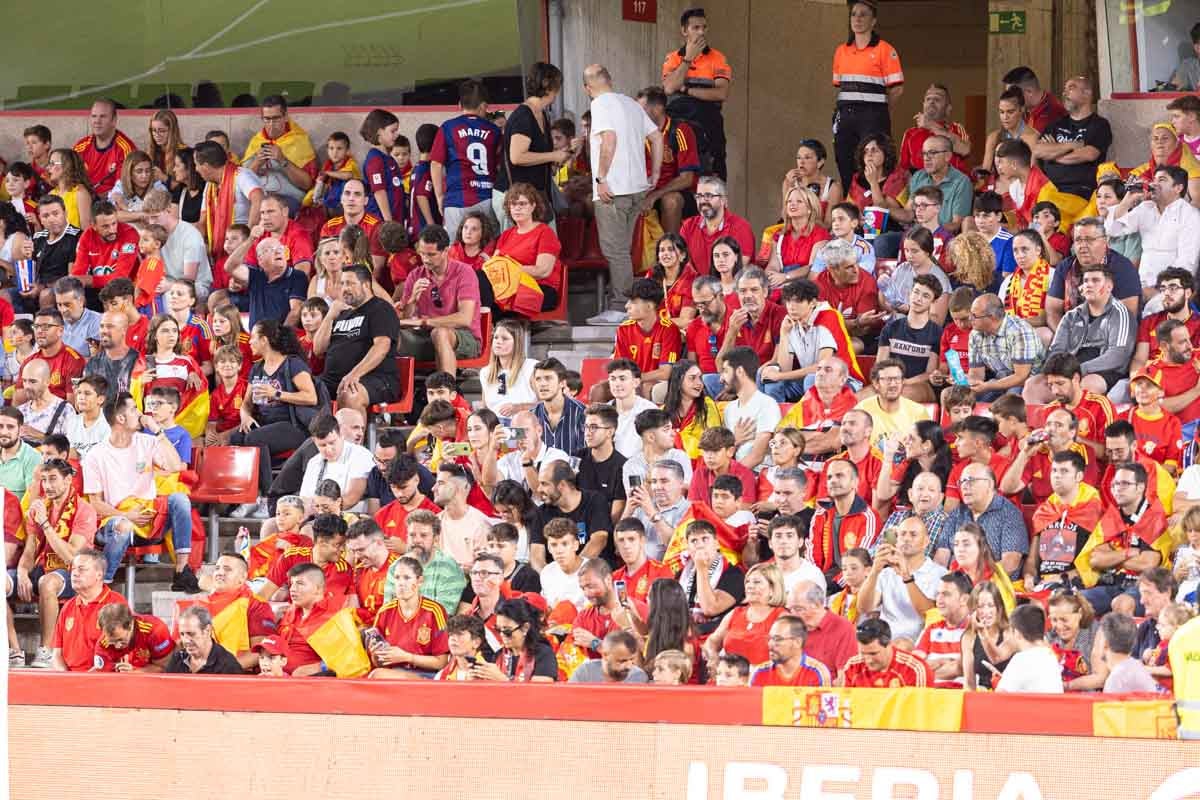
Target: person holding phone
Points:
x,y
607,609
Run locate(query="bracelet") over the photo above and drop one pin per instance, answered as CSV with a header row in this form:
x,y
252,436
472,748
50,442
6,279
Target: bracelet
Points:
x,y
596,644
910,579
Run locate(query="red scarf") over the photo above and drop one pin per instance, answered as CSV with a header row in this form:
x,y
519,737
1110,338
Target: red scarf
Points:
x,y
218,209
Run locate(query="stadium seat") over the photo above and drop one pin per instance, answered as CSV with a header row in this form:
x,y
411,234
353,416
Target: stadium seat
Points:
x,y
559,312
591,372
406,370
865,363
228,475
35,93
147,93
586,256
485,351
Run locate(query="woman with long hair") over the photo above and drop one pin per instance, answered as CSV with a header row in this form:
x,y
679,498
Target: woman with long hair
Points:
x,y
532,243
526,655
484,434
514,505
974,263
879,180
973,556
188,191
475,240
726,261
166,363
68,179
810,160
507,380
327,272
1024,292
14,233
922,449
787,248
129,192
673,270
668,624
280,401
1073,635
986,641
744,630
529,153
413,629
1011,110
691,410
356,249
165,143
226,324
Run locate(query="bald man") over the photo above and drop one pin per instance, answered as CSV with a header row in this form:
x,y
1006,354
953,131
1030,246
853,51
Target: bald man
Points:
x,y
45,413
1073,146
116,359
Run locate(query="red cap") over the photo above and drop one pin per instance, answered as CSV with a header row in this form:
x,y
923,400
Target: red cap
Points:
x,y
272,646
1145,374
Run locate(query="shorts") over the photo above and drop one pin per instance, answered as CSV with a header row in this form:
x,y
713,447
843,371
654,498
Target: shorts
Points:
x,y
689,204
35,577
418,343
380,388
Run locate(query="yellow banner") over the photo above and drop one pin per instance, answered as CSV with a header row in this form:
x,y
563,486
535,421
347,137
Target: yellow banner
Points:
x,y
1135,719
879,709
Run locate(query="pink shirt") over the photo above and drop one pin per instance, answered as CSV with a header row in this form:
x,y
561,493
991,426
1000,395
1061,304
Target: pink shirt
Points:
x,y
458,284
116,474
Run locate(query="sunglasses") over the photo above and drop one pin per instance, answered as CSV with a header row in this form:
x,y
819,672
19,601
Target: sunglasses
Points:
x,y
436,295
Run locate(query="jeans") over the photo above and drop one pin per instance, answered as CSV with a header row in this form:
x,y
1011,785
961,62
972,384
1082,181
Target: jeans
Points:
x,y
787,391
115,542
615,222
1102,596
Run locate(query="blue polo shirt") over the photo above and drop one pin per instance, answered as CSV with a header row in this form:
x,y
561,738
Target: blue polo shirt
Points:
x,y
271,299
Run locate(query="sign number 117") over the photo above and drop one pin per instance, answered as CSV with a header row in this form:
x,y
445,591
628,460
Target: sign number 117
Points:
x,y
640,10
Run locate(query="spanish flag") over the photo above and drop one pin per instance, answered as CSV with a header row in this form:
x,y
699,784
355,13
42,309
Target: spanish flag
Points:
x,y
338,644
832,320
194,405
903,708
515,289
294,143
1150,527
728,540
230,613
1039,188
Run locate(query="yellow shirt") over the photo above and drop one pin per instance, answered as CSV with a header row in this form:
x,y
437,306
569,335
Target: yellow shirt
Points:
x,y
908,414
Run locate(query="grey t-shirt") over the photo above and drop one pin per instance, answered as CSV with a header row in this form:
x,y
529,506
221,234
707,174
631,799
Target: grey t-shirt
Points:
x,y
896,609
117,373
593,672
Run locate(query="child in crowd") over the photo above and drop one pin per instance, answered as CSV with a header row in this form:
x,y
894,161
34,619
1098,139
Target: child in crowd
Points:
x,y
560,577
38,144
21,184
956,335
226,399
226,326
672,668
402,258
423,201
223,288
958,403
88,427
1170,619
383,176
152,272
1047,220
272,657
163,405
401,150
732,670
856,565
312,314
284,530
1158,430
443,386
18,346
726,494
338,168
1187,558
989,219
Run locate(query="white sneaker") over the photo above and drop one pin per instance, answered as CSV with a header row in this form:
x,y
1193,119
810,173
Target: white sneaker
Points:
x,y
16,659
260,510
43,660
610,317
250,510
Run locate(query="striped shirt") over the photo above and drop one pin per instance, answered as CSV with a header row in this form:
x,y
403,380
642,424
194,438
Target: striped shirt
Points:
x,y
568,436
864,75
941,643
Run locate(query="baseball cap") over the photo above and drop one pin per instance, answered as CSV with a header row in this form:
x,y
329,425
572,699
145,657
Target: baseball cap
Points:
x,y
272,646
1147,375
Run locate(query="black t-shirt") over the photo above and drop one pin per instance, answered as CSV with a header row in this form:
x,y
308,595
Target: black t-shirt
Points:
x,y
592,514
283,379
602,477
54,259
189,205
545,663
522,121
220,662
354,332
1078,179
733,581
912,346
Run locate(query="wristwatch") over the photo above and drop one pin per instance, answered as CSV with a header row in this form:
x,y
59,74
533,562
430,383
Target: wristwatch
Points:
x,y
527,464
910,579
278,394
599,179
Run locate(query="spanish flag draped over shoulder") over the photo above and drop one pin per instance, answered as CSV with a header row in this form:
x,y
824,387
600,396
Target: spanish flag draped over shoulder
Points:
x,y
832,320
230,613
218,210
194,404
338,644
728,540
514,288
1150,527
1039,188
293,142
767,243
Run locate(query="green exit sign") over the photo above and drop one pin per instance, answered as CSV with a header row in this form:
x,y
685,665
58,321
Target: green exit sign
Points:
x,y
1006,22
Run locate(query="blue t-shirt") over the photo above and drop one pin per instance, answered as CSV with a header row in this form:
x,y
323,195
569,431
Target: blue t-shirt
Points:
x,y
1002,249
271,299
178,436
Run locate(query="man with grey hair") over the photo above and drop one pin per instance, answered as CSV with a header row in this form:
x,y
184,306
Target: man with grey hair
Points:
x,y
830,636
1090,247
185,254
660,506
957,192
276,288
707,331
1126,672
198,652
79,322
1003,350
715,222
620,131
757,321
853,291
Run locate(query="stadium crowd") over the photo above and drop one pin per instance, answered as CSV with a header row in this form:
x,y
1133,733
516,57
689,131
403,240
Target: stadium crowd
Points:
x,y
935,427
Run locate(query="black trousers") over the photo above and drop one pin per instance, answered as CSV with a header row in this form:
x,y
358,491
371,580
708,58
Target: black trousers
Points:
x,y
853,122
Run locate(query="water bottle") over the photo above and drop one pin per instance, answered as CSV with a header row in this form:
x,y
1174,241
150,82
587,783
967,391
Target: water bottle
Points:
x,y
954,361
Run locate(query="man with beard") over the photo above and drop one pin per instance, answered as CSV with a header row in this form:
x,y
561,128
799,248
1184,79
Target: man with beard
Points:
x,y
606,611
617,662
73,644
52,248
756,322
1179,374
107,250
707,331
1030,469
1176,287
851,290
63,362
855,435
443,579
843,522
357,338
1065,379
932,121
58,526
751,415
464,527
892,414
561,496
404,482
18,459
439,306
1073,145
790,665
715,221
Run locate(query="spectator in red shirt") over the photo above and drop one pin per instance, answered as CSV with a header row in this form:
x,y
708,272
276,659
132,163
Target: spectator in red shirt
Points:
x,y
104,150
792,664
787,250
830,637
73,645
852,291
273,223
675,195
714,222
717,447
930,120
880,664
1041,107
606,610
131,642
756,321
941,643
706,333
1176,286
108,249
64,363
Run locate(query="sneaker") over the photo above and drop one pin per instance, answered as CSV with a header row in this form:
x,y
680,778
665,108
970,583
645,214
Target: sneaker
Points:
x,y
16,659
260,510
44,659
244,510
185,581
152,558
610,317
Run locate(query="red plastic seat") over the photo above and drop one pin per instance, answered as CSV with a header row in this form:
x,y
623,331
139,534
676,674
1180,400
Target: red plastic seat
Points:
x,y
571,231
586,257
227,475
405,369
865,363
559,312
591,372
485,352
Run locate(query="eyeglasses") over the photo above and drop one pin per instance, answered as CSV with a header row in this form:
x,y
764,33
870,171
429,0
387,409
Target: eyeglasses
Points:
x,y
707,196
594,428
507,632
967,481
779,639
1088,239
485,573
932,153
45,326
924,206
1170,287
1123,484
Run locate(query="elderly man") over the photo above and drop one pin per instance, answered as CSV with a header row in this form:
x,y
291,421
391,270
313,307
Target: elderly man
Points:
x,y
1090,246
1169,225
77,630
281,154
830,636
932,121
925,498
937,170
1072,146
523,464
228,590
439,308
821,409
715,221
79,322
902,581
707,332
851,290
185,254
660,504
791,662
1000,519
199,653
358,338
276,289
1002,351
621,131
104,149
44,413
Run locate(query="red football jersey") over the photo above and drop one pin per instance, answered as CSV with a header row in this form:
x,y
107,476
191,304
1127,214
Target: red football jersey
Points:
x,y
393,517
680,153
135,336
424,634
1036,475
998,463
1177,379
369,223
151,641
1149,325
104,165
590,619
1094,412
78,629
868,474
64,365
905,670
810,673
763,335
679,295
339,577
638,584
104,260
1158,435
956,339
225,404
196,339
661,346
368,585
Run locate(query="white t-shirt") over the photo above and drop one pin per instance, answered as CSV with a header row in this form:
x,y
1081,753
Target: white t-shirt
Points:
x,y
1033,670
517,389
1189,483
245,184
510,468
83,438
807,571
558,586
463,538
355,461
896,608
184,246
626,440
760,408
623,116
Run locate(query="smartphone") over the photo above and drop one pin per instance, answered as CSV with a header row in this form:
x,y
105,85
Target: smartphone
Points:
x,y
1039,436
622,596
889,536
518,434
991,667
456,449
635,481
